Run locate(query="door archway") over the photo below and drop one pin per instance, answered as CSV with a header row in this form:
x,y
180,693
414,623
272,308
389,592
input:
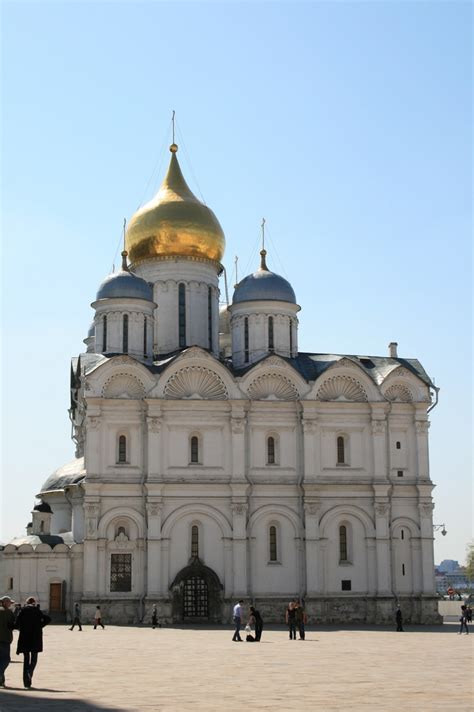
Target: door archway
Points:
x,y
197,595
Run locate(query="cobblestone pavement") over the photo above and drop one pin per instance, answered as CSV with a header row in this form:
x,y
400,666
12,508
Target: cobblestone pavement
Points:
x,y
174,669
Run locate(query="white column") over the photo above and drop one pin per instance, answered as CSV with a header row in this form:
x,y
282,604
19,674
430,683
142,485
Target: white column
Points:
x,y
237,423
154,441
382,547
379,444
421,428
239,546
165,567
102,567
90,549
228,568
154,509
310,431
313,583
427,556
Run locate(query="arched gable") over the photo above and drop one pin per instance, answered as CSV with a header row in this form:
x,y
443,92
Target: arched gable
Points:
x,y
121,513
120,376
341,511
196,510
273,511
195,374
345,380
272,378
401,385
407,523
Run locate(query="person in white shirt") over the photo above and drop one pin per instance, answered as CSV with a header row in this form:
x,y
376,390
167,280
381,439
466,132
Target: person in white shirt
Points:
x,y
237,618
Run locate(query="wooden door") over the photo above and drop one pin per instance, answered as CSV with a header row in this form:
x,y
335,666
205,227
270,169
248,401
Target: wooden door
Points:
x,y
55,596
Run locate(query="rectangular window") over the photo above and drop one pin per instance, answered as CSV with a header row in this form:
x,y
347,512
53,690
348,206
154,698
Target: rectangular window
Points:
x,y
273,544
125,334
144,336
182,315
270,334
403,569
194,542
209,316
10,584
291,340
104,334
400,473
346,585
121,572
246,339
342,543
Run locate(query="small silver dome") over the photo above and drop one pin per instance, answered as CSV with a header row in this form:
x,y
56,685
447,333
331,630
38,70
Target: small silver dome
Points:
x,y
264,285
91,331
69,474
124,284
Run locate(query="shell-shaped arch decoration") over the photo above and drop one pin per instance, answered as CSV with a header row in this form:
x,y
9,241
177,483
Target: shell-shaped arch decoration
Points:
x,y
123,385
399,392
342,388
272,386
195,383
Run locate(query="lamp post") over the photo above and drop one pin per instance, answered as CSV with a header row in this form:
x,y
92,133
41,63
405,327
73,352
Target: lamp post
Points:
x,y
437,527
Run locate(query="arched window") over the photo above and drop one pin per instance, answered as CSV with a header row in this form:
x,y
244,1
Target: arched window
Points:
x,y
194,541
398,445
194,449
272,540
270,450
291,339
125,334
182,315
341,450
122,449
246,339
209,317
145,325
104,334
271,344
343,543
41,526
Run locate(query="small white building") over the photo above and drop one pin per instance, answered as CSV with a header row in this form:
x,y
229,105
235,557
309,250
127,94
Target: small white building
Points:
x,y
214,461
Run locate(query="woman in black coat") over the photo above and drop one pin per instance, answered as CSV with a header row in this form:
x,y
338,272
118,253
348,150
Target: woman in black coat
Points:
x,y
30,622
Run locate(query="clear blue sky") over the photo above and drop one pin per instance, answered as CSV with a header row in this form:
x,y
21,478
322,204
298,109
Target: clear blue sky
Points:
x,y
347,125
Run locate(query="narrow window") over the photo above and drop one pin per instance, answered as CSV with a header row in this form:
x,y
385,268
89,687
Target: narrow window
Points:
x,y
10,584
125,334
145,328
398,445
403,569
346,585
291,339
399,473
271,451
402,534
270,334
122,449
194,542
209,316
340,451
104,334
182,315
273,544
121,572
246,339
342,543
194,449
42,526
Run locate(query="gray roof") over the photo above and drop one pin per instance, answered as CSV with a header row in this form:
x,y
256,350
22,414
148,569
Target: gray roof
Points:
x,y
70,474
125,284
43,507
51,539
263,285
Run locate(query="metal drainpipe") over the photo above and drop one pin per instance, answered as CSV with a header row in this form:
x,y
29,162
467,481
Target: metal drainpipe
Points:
x,y
436,390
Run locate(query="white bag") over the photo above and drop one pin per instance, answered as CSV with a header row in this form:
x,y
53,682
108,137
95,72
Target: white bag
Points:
x,y
248,629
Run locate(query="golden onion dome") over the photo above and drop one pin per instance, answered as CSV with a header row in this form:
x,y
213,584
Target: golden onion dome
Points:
x,y
174,223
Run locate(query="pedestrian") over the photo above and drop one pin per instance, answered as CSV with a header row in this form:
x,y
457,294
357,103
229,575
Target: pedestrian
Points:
x,y
237,618
154,617
469,614
76,619
257,622
399,619
301,620
290,618
7,623
98,618
30,622
463,620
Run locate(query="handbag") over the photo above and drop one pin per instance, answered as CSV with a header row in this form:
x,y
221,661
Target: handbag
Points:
x,y
248,629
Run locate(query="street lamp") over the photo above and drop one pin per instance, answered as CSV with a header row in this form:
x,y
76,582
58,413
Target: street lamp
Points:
x,y
437,527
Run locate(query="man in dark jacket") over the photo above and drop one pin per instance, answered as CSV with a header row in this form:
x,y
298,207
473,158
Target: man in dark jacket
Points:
x,y
76,619
7,622
399,619
30,622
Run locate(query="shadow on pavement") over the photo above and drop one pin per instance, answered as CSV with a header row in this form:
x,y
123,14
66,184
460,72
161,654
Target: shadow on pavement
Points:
x,y
26,703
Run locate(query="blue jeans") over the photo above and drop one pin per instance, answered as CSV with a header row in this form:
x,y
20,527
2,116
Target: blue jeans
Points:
x,y
4,657
292,629
237,629
463,622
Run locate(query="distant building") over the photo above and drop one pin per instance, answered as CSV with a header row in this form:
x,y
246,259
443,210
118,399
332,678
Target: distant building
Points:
x,y
448,566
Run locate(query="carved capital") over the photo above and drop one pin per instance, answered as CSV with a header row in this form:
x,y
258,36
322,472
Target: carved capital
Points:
x,y
154,508
378,427
312,507
422,426
238,425
93,422
309,426
239,508
154,424
381,509
426,508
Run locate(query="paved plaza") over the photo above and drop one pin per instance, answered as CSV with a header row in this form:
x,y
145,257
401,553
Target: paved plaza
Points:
x,y
174,669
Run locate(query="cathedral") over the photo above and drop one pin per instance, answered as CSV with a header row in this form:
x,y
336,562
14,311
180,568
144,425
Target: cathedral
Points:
x,y
217,462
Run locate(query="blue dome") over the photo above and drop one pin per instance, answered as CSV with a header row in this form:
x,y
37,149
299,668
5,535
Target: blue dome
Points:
x,y
264,285
125,284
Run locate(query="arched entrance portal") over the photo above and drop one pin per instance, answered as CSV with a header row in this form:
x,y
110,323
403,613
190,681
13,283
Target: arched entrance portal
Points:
x,y
197,595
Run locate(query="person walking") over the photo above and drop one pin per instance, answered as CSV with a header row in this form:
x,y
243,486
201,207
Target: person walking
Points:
x,y
30,622
463,620
399,619
301,620
257,622
76,620
7,623
154,617
237,618
98,618
290,618
469,614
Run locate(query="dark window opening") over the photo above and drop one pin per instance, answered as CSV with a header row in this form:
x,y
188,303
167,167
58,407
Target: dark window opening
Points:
x,y
342,543
42,526
10,584
273,544
402,534
209,316
121,530
122,449
271,451
125,334
399,473
246,339
271,345
121,572
403,569
194,449
195,541
182,315
145,325
291,339
346,585
398,445
104,339
340,450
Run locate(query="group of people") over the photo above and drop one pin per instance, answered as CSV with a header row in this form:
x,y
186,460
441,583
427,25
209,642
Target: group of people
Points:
x,y
76,618
295,618
29,620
